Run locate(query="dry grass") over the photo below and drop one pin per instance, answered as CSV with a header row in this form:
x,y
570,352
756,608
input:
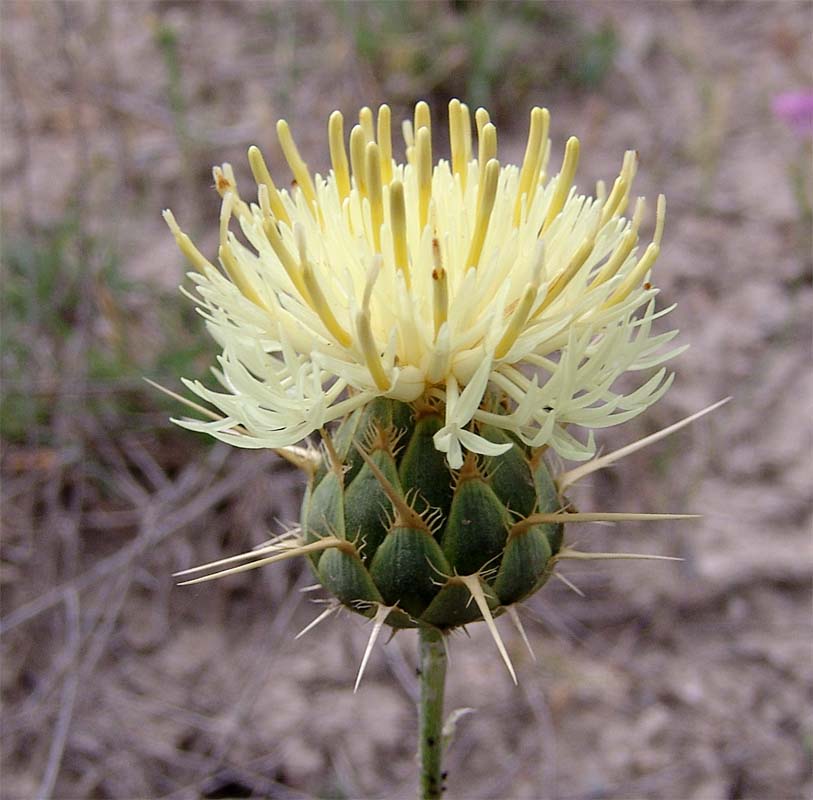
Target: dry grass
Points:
x,y
666,682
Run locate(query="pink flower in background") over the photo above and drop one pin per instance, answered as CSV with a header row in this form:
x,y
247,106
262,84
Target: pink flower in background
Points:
x,y
796,110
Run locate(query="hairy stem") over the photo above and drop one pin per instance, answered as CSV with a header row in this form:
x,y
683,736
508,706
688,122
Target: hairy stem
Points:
x,y
430,712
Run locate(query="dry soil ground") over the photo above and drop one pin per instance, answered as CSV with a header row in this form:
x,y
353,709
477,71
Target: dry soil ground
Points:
x,y
675,682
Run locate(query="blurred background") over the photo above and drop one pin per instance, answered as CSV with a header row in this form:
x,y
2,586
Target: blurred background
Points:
x,y
677,681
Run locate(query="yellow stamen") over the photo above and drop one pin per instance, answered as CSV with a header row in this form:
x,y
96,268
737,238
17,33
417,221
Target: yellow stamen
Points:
x,y
262,177
518,320
369,349
196,259
423,162
457,141
615,204
628,170
617,194
440,288
338,155
530,162
358,145
289,263
398,226
545,158
617,259
489,194
660,218
438,363
541,161
611,204
423,118
623,250
487,150
466,116
409,140
522,311
224,179
638,213
639,271
238,276
564,181
613,200
295,161
375,192
372,276
481,119
226,182
366,122
385,143
318,301
560,282
226,209
635,276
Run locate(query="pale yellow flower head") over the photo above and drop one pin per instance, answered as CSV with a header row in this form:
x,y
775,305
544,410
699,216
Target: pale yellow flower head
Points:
x,y
453,281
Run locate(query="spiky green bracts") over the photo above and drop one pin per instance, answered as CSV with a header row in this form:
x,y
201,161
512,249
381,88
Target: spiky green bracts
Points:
x,y
396,535
436,546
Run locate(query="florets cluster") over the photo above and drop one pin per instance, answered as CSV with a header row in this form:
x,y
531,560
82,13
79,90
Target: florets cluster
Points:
x,y
434,281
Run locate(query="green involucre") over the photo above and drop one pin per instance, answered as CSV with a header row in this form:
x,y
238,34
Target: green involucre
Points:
x,y
462,522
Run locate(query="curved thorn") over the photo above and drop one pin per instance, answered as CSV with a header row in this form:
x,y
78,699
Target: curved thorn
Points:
x,y
323,616
378,623
476,590
273,547
280,538
322,544
571,476
567,552
570,585
595,516
512,613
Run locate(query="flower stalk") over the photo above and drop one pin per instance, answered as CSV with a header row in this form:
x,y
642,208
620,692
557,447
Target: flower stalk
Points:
x,y
430,712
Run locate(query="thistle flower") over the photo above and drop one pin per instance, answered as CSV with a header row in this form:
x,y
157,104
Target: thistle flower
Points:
x,y
448,282
454,320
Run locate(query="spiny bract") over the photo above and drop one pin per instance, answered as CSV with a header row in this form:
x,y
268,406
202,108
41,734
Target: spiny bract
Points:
x,y
420,538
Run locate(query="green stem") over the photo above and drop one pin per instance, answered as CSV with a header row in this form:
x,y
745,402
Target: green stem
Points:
x,y
430,712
